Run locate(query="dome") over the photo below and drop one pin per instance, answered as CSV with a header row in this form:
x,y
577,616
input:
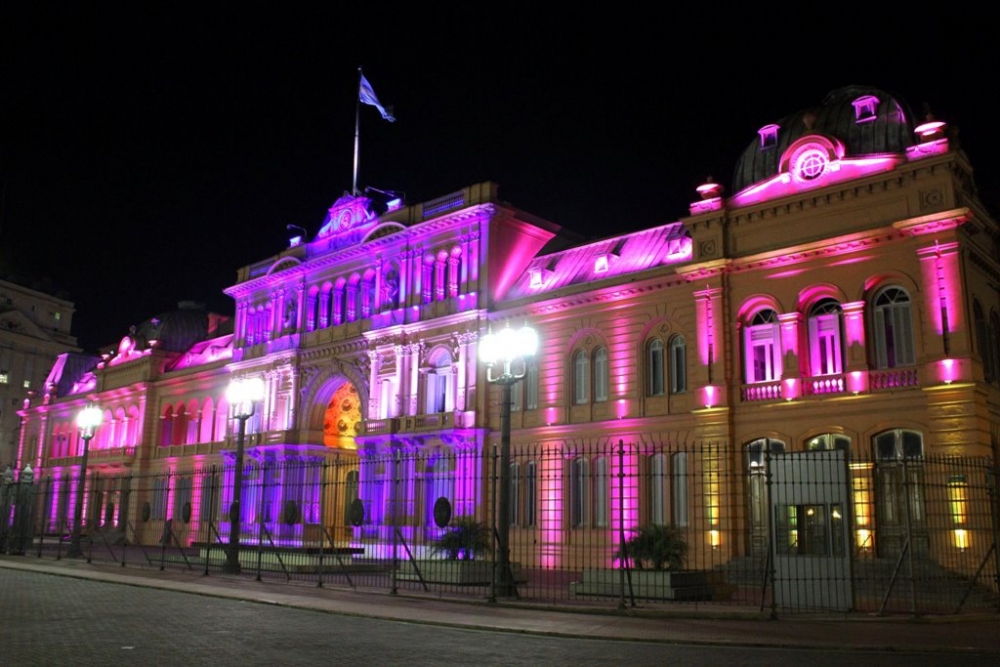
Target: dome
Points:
x,y
175,330
866,120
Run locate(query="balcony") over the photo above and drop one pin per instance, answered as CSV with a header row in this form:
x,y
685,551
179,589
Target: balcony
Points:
x,y
825,385
380,426
893,378
762,391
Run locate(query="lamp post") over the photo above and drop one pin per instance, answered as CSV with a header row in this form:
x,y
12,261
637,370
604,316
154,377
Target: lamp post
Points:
x,y
87,420
508,350
242,396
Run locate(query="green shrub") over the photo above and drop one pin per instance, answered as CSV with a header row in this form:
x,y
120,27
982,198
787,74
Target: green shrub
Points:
x,y
464,539
657,547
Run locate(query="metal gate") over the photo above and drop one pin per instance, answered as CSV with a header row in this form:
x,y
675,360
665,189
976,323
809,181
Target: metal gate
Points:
x,y
810,541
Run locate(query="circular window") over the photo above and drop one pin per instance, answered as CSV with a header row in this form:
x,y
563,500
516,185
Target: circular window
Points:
x,y
810,164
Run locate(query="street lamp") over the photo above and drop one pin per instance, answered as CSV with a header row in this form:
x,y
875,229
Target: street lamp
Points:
x,y
509,350
87,420
242,396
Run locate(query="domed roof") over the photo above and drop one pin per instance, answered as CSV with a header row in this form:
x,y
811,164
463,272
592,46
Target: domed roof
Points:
x,y
868,121
175,330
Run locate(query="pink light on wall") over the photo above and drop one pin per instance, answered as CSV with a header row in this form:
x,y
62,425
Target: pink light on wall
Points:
x,y
709,396
551,416
622,408
949,370
706,301
789,323
857,381
624,492
941,273
793,389
550,507
854,322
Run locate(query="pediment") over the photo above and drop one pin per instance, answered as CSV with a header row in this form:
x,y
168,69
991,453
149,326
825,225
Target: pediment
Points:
x,y
14,321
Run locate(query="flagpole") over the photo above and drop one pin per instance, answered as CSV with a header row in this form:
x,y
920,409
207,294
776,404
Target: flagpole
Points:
x,y
357,125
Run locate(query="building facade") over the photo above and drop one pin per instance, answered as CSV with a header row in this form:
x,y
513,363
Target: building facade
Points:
x,y
841,299
34,330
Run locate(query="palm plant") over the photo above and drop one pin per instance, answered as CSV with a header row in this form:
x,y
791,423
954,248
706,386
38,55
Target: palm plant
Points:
x,y
464,539
656,547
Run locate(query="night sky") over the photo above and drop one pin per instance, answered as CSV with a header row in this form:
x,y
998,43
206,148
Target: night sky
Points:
x,y
148,150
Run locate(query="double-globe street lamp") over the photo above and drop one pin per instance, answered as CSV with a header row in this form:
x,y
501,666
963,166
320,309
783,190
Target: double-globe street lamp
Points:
x,y
87,420
508,350
242,396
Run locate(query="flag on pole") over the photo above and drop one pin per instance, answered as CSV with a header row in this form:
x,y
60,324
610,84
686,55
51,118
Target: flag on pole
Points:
x,y
367,96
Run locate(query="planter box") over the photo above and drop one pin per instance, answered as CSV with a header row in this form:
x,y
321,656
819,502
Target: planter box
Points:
x,y
654,584
459,572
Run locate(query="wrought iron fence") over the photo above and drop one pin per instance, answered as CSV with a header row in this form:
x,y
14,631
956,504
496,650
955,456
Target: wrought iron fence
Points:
x,y
791,532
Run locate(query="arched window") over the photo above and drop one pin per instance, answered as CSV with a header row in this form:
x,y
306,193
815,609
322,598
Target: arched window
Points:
x,y
581,378
390,289
826,353
655,368
454,271
337,301
898,444
167,427
828,441
762,348
601,374
678,365
312,303
325,301
892,328
438,380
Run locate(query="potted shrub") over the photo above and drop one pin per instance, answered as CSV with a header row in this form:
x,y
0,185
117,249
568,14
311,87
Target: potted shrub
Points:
x,y
464,539
655,556
460,555
656,547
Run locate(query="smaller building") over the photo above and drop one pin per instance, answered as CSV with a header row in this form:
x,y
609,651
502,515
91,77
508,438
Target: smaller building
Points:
x,y
34,330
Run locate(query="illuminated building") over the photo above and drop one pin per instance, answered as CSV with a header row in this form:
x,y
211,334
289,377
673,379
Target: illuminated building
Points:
x,y
841,297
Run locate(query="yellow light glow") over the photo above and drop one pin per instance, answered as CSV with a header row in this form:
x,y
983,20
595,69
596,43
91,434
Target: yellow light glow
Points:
x,y
961,539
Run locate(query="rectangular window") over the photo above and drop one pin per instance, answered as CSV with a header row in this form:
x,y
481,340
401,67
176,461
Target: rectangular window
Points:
x,y
601,492
578,492
182,497
530,483
516,396
824,344
658,490
531,386
763,357
514,500
679,473
158,504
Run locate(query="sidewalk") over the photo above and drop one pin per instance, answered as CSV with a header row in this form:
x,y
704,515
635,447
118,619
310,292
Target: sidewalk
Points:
x,y
736,627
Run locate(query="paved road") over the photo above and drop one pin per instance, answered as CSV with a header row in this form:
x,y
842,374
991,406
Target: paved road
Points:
x,y
54,620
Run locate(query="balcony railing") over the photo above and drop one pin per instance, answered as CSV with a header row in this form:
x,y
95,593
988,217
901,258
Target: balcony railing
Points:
x,y
762,391
893,378
824,385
